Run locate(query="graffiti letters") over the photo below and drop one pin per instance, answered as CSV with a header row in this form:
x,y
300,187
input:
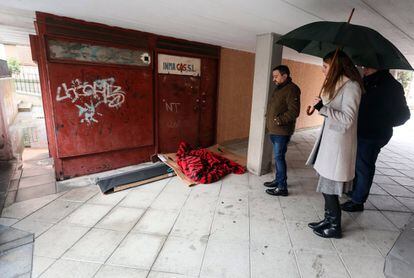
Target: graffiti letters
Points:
x,y
172,106
87,97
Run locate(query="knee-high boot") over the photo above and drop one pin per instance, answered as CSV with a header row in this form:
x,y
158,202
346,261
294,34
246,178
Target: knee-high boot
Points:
x,y
325,222
333,230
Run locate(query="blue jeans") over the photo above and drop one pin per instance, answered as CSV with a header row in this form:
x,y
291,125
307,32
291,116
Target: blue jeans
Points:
x,y
367,154
280,143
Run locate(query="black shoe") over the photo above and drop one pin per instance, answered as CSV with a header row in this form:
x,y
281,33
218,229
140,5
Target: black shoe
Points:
x,y
277,192
332,231
352,207
319,225
271,184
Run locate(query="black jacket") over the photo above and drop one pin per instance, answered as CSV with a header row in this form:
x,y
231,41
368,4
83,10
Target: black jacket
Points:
x,y
382,107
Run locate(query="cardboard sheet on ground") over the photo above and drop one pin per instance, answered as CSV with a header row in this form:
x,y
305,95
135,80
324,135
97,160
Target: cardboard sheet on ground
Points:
x,y
170,160
122,181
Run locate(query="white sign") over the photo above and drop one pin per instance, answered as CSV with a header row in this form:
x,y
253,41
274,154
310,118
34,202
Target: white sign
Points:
x,y
169,64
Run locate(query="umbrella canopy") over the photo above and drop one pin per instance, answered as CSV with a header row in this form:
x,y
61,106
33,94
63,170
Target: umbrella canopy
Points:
x,y
365,46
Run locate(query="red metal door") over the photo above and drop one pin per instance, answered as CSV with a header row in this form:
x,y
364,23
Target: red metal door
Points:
x,y
208,100
178,106
99,110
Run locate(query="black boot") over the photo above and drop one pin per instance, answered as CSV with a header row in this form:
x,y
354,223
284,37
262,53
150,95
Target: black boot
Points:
x,y
323,223
320,224
333,229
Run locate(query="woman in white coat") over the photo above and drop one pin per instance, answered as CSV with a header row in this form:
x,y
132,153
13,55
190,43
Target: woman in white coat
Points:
x,y
334,153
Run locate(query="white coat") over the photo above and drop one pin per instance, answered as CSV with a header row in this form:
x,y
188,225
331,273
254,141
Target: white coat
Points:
x,y
334,153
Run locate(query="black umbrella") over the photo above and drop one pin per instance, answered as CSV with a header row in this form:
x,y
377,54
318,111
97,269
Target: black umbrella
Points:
x,y
365,46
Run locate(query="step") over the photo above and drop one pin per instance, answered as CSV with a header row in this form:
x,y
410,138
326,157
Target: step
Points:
x,y
24,107
11,238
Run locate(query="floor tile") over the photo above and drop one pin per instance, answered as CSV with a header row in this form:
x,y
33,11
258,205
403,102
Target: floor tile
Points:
x,y
303,238
236,179
356,242
23,209
95,246
69,269
398,190
37,180
181,255
399,166
273,262
122,219
399,219
139,199
224,258
381,179
193,223
108,271
37,171
87,215
231,220
35,227
156,221
384,240
321,265
234,191
157,274
169,201
81,194
377,190
109,199
408,173
364,267
54,212
387,203
40,264
35,191
374,220
408,202
391,172
404,181
137,250
176,186
267,225
57,240
298,209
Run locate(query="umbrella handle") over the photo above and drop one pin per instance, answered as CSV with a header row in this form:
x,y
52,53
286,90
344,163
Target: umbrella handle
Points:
x,y
310,110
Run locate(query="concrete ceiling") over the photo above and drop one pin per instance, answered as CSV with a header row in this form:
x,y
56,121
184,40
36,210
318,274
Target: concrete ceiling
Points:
x,y
228,23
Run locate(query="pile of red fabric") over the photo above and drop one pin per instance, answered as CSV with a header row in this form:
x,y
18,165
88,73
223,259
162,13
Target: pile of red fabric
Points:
x,y
203,166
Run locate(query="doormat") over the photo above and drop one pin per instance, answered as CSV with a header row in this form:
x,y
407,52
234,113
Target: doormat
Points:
x,y
170,160
135,178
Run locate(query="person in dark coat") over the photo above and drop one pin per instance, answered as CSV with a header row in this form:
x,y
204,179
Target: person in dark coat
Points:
x,y
383,106
282,111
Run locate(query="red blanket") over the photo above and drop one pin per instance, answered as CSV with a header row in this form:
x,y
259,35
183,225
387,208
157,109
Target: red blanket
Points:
x,y
203,166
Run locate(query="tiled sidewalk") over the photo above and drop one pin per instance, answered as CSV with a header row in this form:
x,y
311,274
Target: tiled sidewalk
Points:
x,y
227,229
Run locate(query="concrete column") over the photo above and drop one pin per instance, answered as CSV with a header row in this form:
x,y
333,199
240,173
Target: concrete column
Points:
x,y
268,56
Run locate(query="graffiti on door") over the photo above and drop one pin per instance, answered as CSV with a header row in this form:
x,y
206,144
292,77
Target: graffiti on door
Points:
x,y
87,97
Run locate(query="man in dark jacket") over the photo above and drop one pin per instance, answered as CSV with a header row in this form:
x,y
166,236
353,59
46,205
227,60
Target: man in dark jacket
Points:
x,y
383,106
282,111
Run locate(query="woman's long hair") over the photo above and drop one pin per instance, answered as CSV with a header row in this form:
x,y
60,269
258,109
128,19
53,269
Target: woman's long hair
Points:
x,y
342,65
